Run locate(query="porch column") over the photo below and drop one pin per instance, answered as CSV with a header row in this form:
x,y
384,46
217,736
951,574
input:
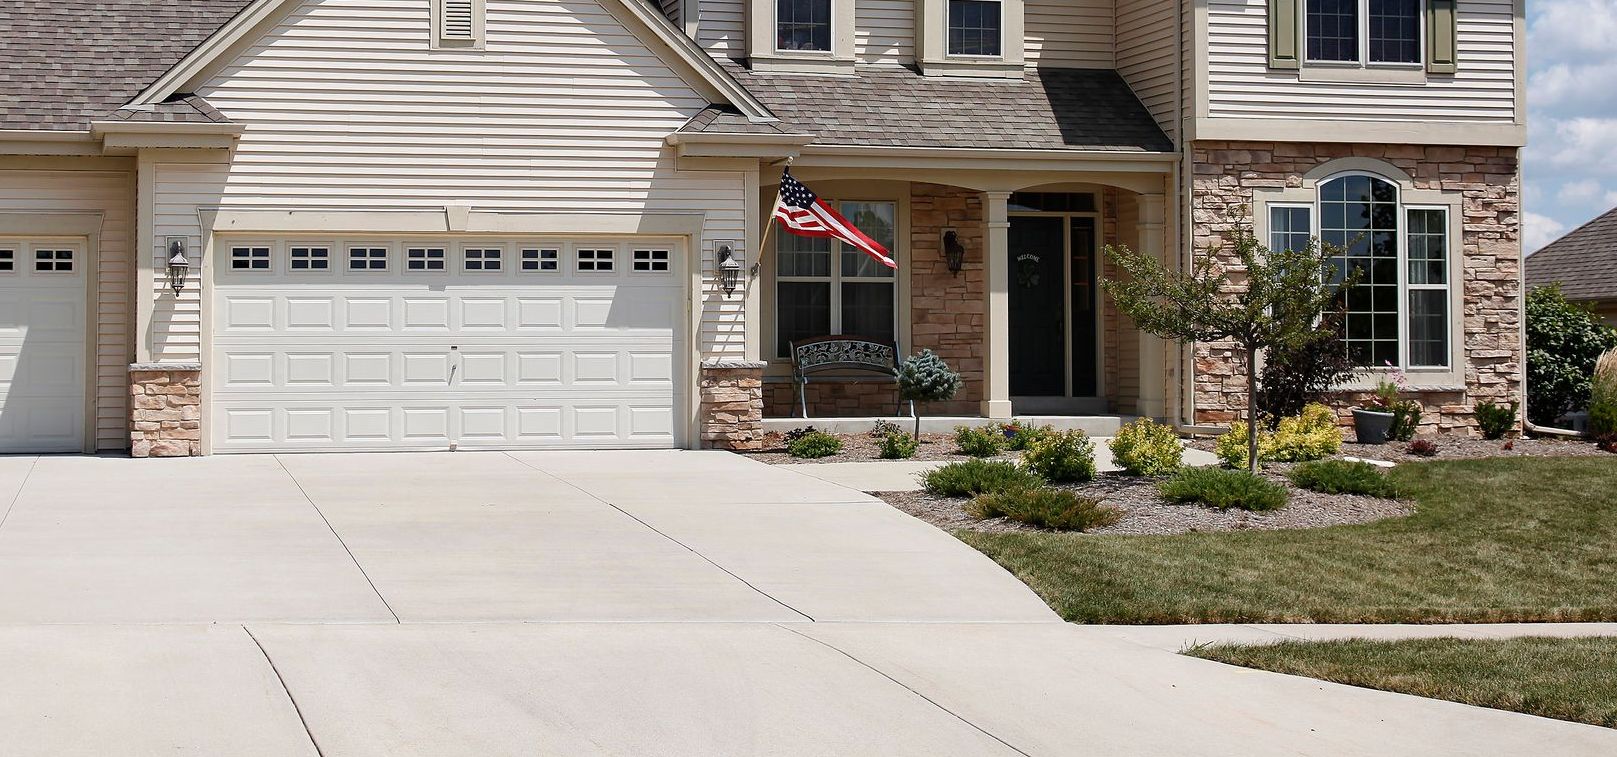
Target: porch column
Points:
x,y
1153,402
997,330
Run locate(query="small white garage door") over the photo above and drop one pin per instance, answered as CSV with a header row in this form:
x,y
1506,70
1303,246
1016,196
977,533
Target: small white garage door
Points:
x,y
42,348
480,343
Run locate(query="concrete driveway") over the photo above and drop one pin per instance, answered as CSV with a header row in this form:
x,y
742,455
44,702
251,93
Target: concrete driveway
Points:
x,y
656,603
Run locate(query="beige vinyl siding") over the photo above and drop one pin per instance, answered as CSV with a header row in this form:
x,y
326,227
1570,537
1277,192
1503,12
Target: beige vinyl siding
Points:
x,y
345,108
179,191
1146,57
106,187
722,27
884,31
1240,83
671,9
1068,33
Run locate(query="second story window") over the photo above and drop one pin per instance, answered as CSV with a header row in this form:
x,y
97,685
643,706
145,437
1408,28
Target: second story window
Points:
x,y
803,25
975,27
1359,31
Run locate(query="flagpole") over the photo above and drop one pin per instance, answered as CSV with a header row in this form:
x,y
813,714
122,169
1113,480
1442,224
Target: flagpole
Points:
x,y
769,220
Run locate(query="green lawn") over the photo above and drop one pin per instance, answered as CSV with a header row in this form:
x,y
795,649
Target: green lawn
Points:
x,y
1569,679
1507,539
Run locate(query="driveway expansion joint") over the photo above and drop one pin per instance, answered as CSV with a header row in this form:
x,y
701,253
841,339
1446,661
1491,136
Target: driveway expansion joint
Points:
x,y
13,503
323,519
286,690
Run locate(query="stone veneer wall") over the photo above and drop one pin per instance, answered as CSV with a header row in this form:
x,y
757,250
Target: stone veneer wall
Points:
x,y
732,409
947,313
165,409
1487,179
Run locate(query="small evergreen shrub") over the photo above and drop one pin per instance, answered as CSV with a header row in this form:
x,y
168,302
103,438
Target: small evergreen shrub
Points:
x,y
814,444
926,378
881,429
1147,448
1343,477
1423,447
1062,456
1495,420
898,445
1046,508
973,477
1309,436
986,441
1224,489
1019,435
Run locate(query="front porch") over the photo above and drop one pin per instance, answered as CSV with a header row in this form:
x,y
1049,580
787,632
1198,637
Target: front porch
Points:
x,y
1020,315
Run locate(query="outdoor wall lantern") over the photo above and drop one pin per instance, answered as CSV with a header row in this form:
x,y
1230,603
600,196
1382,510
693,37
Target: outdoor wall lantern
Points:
x,y
729,260
178,265
954,252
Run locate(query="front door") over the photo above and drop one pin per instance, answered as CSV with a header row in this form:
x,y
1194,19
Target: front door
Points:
x,y
1038,308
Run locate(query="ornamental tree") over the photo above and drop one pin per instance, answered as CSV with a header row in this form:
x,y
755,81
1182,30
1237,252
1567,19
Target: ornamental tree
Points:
x,y
1276,302
926,378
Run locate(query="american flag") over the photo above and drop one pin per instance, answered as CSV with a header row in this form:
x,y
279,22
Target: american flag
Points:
x,y
802,212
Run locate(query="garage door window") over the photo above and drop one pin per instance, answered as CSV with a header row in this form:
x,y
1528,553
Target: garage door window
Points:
x,y
367,258
311,258
540,260
651,261
249,258
53,261
595,260
424,259
483,258
8,260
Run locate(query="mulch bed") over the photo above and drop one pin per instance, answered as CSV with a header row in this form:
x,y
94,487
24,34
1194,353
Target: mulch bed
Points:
x,y
861,448
1456,447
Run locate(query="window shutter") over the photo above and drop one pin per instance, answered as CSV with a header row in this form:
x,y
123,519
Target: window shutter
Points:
x,y
457,20
1283,34
1442,55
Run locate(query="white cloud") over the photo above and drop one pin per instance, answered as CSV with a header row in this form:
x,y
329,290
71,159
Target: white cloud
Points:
x,y
1610,200
1565,29
1579,191
1539,230
1582,143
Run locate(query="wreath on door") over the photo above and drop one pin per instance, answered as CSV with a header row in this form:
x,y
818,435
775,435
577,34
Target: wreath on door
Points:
x,y
1027,270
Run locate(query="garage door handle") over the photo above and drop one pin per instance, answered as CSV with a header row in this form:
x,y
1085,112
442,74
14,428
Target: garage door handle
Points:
x,y
453,365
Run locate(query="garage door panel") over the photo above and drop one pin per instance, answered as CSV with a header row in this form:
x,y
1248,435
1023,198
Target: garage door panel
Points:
x,y
43,368
428,360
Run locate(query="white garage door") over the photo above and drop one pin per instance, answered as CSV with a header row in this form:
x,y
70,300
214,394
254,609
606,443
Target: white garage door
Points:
x,y
42,350
376,345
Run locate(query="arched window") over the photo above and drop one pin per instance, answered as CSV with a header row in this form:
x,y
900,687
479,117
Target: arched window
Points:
x,y
1399,313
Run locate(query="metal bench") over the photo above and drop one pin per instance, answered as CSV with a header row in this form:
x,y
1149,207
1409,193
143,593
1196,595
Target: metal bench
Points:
x,y
844,353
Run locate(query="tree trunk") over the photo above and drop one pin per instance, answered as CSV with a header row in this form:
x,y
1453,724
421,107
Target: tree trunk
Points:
x,y
917,413
1252,409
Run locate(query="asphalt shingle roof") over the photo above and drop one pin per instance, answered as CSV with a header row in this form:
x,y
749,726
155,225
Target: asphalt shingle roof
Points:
x,y
1081,109
1584,261
177,109
725,119
66,63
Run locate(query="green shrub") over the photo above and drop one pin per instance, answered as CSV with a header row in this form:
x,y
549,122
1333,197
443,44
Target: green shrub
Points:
x,y
1496,420
986,441
1019,435
1062,456
1603,396
973,477
883,428
1147,448
1405,420
926,378
1343,477
1045,508
1224,489
1309,436
898,445
814,444
1564,340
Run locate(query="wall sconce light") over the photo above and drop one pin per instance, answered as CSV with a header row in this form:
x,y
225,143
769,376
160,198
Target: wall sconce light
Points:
x,y
178,265
954,252
729,262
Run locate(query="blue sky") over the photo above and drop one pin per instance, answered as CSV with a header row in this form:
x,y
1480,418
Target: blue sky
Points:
x,y
1570,166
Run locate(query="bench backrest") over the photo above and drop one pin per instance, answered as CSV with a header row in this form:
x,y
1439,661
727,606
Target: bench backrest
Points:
x,y
841,353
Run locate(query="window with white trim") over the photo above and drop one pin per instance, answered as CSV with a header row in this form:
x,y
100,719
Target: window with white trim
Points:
x,y
541,259
650,261
1363,31
367,258
1399,312
8,260
482,258
824,287
249,258
424,259
803,25
595,260
310,258
976,27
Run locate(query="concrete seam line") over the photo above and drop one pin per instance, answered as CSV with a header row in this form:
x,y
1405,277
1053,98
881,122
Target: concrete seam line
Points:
x,y
338,537
284,689
654,530
15,497
901,684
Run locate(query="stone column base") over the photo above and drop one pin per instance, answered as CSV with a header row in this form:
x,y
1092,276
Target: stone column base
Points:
x,y
165,409
732,414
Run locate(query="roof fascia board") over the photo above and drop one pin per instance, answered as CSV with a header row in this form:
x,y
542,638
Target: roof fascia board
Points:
x,y
719,145
103,128
212,49
41,142
865,156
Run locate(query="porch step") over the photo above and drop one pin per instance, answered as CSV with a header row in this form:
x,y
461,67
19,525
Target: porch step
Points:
x,y
1094,425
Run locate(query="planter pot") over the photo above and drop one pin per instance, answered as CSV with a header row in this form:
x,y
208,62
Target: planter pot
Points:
x,y
1371,426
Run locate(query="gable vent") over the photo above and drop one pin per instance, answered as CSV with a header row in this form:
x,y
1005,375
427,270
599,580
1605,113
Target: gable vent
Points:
x,y
457,19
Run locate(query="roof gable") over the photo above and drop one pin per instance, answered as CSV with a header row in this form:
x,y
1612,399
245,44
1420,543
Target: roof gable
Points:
x,y
66,63
1584,261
